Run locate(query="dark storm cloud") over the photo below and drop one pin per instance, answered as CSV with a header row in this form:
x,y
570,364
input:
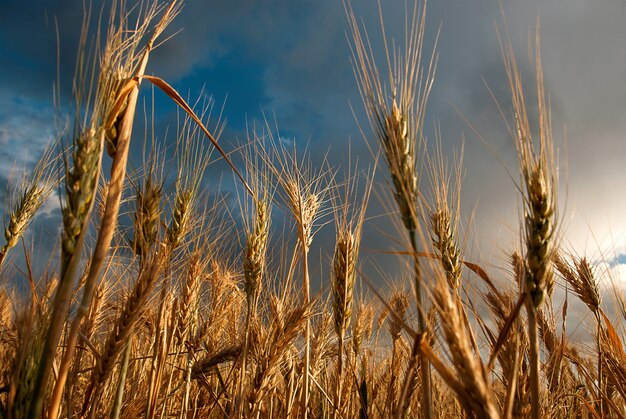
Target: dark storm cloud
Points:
x,y
291,60
29,48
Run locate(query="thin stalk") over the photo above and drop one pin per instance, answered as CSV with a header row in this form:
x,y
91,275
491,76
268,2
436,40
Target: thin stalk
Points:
x,y
600,375
185,408
244,357
392,380
339,374
535,412
157,359
307,329
510,395
119,395
427,409
405,395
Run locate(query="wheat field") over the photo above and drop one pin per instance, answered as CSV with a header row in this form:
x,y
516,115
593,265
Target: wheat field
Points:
x,y
150,308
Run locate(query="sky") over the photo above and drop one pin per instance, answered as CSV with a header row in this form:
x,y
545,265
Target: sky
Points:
x,y
290,59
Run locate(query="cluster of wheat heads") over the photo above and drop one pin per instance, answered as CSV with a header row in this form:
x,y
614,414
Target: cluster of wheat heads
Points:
x,y
168,316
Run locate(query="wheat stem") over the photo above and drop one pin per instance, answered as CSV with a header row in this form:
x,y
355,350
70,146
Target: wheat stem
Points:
x,y
423,363
119,394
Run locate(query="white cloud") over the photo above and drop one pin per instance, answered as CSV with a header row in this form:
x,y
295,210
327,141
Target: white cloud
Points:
x,y
618,275
26,128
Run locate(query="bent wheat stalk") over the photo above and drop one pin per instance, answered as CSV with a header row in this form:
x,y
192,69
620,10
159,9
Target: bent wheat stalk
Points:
x,y
128,93
81,180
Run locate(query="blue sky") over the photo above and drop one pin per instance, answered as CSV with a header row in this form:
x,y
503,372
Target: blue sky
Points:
x,y
290,59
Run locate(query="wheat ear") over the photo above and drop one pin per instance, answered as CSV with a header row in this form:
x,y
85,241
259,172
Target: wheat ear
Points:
x,y
467,364
80,181
193,158
343,281
33,192
147,216
444,219
584,284
257,215
255,252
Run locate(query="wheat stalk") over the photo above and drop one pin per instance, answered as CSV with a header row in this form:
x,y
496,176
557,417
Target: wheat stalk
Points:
x,y
304,193
514,366
254,269
343,282
146,219
539,196
80,183
270,348
398,306
396,117
188,314
188,300
256,213
349,219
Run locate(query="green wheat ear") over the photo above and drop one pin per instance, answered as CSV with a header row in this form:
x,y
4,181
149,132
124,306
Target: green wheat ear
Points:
x,y
28,198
